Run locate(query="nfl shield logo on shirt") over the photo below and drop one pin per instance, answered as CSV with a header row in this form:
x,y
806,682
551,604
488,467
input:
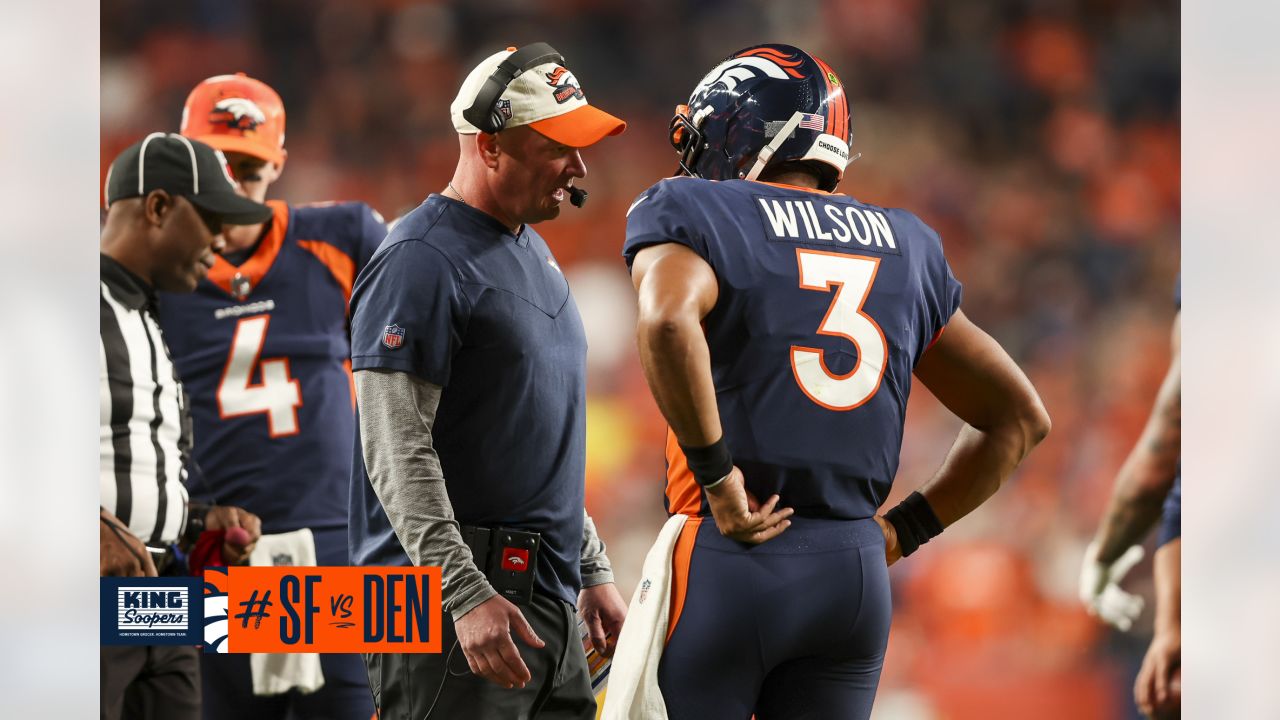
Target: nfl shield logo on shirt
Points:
x,y
393,336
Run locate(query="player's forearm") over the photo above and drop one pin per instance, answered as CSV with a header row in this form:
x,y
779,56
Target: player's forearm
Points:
x,y
677,365
396,414
1168,579
977,465
1147,474
1134,509
595,566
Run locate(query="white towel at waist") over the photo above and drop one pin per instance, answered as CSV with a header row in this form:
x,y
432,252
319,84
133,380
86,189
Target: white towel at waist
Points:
x,y
633,681
276,673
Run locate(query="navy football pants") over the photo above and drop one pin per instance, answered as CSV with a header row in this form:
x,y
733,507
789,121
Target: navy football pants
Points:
x,y
228,685
794,628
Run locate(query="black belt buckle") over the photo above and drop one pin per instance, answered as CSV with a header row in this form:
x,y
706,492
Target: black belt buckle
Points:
x,y
507,557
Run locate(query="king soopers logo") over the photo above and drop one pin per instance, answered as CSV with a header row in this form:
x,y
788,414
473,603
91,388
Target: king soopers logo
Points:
x,y
153,608
148,611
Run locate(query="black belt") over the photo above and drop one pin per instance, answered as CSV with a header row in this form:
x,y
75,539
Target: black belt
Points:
x,y
507,557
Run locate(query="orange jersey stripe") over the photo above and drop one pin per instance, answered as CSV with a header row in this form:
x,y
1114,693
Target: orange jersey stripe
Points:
x,y
340,265
351,381
684,496
222,272
681,560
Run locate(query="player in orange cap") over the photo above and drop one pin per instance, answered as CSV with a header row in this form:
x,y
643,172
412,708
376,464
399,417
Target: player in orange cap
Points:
x,y
262,348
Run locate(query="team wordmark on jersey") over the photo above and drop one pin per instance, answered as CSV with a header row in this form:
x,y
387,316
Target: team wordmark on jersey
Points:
x,y
819,221
252,308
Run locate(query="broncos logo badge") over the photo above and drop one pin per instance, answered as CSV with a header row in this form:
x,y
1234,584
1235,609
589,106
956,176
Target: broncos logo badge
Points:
x,y
565,84
216,584
553,77
237,114
748,65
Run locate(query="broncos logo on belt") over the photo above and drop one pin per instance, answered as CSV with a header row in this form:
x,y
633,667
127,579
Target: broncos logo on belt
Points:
x,y
237,114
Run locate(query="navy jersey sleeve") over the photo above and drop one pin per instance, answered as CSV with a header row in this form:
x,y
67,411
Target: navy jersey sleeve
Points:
x,y
354,228
372,231
941,289
408,313
659,216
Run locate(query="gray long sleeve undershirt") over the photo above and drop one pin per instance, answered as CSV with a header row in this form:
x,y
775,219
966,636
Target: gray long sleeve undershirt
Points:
x,y
397,414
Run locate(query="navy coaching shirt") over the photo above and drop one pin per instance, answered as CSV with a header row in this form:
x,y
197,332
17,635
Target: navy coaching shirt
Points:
x,y
452,297
825,306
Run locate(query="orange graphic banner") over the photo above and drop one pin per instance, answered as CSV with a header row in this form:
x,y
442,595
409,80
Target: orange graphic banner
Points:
x,y
332,609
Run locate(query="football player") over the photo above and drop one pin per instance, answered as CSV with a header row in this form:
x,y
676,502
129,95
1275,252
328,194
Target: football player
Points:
x,y
780,324
1148,491
263,350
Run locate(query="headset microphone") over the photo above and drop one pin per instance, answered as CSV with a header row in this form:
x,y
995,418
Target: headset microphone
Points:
x,y
577,196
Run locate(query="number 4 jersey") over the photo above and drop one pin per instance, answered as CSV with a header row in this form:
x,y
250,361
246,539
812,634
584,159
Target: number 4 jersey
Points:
x,y
825,306
263,351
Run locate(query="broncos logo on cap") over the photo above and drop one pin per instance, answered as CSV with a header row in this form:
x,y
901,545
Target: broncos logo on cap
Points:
x,y
237,114
565,84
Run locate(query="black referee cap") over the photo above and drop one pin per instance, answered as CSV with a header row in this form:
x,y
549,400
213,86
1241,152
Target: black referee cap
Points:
x,y
181,166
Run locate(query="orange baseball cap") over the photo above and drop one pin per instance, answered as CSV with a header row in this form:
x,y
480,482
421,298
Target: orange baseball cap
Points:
x,y
547,98
236,113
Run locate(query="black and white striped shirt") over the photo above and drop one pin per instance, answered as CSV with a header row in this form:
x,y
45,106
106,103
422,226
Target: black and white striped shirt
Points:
x,y
145,434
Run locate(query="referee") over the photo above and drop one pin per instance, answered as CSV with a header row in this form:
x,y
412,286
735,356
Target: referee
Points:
x,y
167,198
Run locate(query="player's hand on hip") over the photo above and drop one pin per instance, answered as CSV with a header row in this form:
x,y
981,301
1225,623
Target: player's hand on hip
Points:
x,y
485,636
1158,689
603,609
892,550
1100,587
739,515
243,530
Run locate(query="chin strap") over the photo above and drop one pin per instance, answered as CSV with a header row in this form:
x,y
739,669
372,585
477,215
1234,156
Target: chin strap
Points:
x,y
766,153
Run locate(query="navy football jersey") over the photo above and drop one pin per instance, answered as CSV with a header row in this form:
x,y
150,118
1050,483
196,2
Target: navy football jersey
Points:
x,y
825,306
455,299
263,352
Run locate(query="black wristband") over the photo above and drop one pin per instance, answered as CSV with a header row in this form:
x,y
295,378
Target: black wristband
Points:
x,y
915,522
709,464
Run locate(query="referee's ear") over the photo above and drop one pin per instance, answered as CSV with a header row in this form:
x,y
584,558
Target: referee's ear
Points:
x,y
156,207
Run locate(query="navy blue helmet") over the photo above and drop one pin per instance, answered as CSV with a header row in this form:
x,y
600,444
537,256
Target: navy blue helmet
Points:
x,y
764,105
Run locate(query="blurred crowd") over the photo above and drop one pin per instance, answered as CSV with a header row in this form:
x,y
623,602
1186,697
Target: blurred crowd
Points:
x,y
1039,137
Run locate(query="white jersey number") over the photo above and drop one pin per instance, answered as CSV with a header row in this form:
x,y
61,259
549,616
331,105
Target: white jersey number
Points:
x,y
278,395
852,277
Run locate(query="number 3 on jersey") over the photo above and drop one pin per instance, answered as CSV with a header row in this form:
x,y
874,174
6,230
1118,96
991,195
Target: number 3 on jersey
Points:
x,y
278,395
852,276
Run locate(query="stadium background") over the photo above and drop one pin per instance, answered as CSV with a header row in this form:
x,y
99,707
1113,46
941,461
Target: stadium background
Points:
x,y
1041,138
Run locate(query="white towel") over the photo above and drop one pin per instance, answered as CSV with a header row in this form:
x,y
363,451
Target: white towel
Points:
x,y
633,681
276,673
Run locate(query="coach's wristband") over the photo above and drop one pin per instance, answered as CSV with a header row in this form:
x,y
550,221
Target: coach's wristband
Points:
x,y
915,522
709,464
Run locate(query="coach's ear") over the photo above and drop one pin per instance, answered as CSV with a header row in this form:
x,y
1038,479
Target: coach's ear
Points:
x,y
487,146
156,207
